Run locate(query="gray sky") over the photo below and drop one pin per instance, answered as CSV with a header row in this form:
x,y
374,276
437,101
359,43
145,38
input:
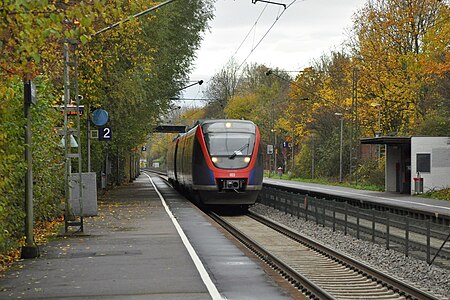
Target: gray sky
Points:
x,y
305,31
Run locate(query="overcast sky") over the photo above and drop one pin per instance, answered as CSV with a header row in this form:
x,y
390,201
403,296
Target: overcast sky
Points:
x,y
305,31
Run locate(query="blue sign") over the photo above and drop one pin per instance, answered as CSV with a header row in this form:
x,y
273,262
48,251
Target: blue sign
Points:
x,y
285,144
100,117
104,133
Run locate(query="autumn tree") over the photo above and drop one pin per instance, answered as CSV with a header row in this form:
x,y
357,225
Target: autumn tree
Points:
x,y
131,71
401,53
221,88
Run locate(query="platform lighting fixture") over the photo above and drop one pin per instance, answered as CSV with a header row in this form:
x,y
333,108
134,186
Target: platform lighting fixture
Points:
x,y
200,82
378,106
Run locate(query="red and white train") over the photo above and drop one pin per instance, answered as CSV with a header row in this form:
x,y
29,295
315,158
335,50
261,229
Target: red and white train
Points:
x,y
218,162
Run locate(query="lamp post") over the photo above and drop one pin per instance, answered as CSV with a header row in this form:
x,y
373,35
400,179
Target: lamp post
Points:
x,y
29,250
340,148
378,106
378,134
274,150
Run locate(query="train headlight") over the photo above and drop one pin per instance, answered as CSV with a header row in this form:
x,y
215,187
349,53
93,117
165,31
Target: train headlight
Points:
x,y
247,159
214,159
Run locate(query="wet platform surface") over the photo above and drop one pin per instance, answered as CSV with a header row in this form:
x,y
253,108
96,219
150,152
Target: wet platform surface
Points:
x,y
132,250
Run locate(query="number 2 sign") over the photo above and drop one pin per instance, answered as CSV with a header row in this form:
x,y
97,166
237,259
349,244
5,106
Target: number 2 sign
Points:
x,y
104,134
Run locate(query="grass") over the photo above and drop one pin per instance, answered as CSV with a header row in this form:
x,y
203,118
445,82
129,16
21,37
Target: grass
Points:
x,y
443,194
327,181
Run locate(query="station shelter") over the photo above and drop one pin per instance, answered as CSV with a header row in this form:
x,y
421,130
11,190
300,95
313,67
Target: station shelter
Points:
x,y
414,164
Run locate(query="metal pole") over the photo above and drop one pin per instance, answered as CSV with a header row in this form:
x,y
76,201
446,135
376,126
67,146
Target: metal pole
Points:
x,y
275,150
80,163
28,180
428,224
407,235
88,140
292,151
379,135
312,156
379,121
29,250
67,168
340,151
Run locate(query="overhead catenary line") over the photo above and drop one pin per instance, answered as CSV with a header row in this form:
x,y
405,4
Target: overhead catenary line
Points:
x,y
251,29
266,33
132,17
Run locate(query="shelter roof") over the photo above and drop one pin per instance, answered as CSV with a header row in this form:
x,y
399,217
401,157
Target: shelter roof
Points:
x,y
387,140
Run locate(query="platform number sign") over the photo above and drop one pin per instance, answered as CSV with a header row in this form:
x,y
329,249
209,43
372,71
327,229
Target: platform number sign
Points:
x,y
104,133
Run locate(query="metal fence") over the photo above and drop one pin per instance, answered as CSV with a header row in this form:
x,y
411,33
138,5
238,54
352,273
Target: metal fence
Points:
x,y
423,239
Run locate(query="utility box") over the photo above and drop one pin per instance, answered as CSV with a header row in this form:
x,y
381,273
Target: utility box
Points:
x,y
89,201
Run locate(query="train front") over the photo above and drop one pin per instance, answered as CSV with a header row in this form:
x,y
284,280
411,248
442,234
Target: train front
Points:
x,y
232,170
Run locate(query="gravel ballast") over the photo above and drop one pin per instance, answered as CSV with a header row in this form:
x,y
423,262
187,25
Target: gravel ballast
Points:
x,y
419,273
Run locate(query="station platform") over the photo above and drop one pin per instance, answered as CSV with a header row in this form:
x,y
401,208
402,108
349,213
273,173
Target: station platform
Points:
x,y
429,206
135,249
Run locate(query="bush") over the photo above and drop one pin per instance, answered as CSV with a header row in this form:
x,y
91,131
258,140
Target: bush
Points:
x,y
47,161
371,172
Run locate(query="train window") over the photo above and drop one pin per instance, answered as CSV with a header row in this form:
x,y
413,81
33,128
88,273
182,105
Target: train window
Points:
x,y
230,143
230,150
230,126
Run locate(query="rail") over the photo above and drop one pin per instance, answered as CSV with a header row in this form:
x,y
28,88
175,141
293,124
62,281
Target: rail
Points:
x,y
423,239
316,270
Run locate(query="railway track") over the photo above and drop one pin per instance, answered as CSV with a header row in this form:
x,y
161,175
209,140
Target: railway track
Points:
x,y
317,271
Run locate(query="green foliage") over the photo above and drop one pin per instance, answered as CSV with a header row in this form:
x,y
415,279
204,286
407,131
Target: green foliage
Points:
x,y
47,158
371,172
303,162
131,71
435,123
443,194
12,166
392,77
137,68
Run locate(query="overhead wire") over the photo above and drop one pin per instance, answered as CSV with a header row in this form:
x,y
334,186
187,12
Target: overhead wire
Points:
x,y
266,33
254,25
262,38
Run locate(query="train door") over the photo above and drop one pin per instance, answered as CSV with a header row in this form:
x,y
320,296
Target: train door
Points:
x,y
175,161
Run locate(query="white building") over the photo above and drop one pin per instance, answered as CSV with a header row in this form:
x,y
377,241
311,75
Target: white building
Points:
x,y
430,160
415,163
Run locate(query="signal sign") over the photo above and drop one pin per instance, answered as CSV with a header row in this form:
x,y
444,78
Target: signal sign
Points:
x,y
104,133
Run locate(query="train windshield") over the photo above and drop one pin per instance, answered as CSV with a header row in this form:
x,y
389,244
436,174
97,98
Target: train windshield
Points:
x,y
230,143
